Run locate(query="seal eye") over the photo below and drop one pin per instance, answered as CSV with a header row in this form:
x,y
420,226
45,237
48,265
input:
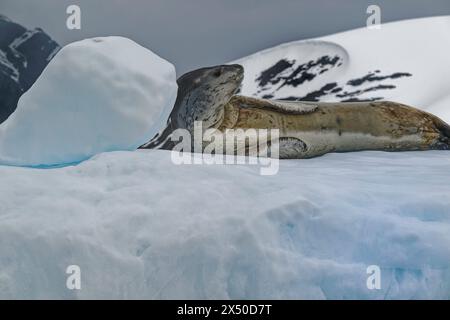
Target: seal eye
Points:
x,y
217,73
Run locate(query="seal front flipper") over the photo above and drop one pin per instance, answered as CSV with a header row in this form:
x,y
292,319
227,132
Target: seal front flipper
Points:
x,y
292,148
287,107
161,140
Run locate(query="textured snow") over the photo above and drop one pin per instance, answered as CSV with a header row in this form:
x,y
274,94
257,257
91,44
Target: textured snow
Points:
x,y
96,95
141,227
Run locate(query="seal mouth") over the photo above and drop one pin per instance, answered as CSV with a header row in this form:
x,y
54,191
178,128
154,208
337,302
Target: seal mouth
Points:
x,y
240,77
236,75
238,70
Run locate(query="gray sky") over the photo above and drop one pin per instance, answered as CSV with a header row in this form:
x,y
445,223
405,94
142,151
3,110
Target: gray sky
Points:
x,y
196,33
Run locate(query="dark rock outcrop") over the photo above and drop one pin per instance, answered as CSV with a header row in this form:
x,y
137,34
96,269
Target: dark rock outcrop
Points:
x,y
23,56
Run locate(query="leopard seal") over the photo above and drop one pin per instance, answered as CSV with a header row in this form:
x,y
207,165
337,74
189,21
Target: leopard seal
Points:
x,y
306,129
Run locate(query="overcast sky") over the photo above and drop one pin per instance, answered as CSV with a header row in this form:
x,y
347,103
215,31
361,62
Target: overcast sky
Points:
x,y
196,33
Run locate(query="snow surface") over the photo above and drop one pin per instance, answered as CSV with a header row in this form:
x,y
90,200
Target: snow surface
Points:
x,y
418,47
140,226
96,95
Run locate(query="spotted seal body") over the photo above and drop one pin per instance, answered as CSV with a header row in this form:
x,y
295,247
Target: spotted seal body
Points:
x,y
307,129
319,128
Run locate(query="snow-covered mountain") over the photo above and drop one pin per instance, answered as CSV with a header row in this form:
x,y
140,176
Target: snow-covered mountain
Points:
x,y
23,55
405,61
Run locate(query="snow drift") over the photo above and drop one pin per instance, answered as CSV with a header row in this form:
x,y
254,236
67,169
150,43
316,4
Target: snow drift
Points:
x,y
96,95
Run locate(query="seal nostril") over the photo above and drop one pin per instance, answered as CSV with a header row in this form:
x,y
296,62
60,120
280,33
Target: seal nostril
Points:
x,y
218,73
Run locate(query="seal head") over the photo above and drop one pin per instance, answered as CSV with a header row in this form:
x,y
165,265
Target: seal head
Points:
x,y
202,95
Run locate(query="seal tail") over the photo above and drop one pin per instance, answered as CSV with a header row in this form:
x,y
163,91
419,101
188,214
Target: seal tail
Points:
x,y
444,129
